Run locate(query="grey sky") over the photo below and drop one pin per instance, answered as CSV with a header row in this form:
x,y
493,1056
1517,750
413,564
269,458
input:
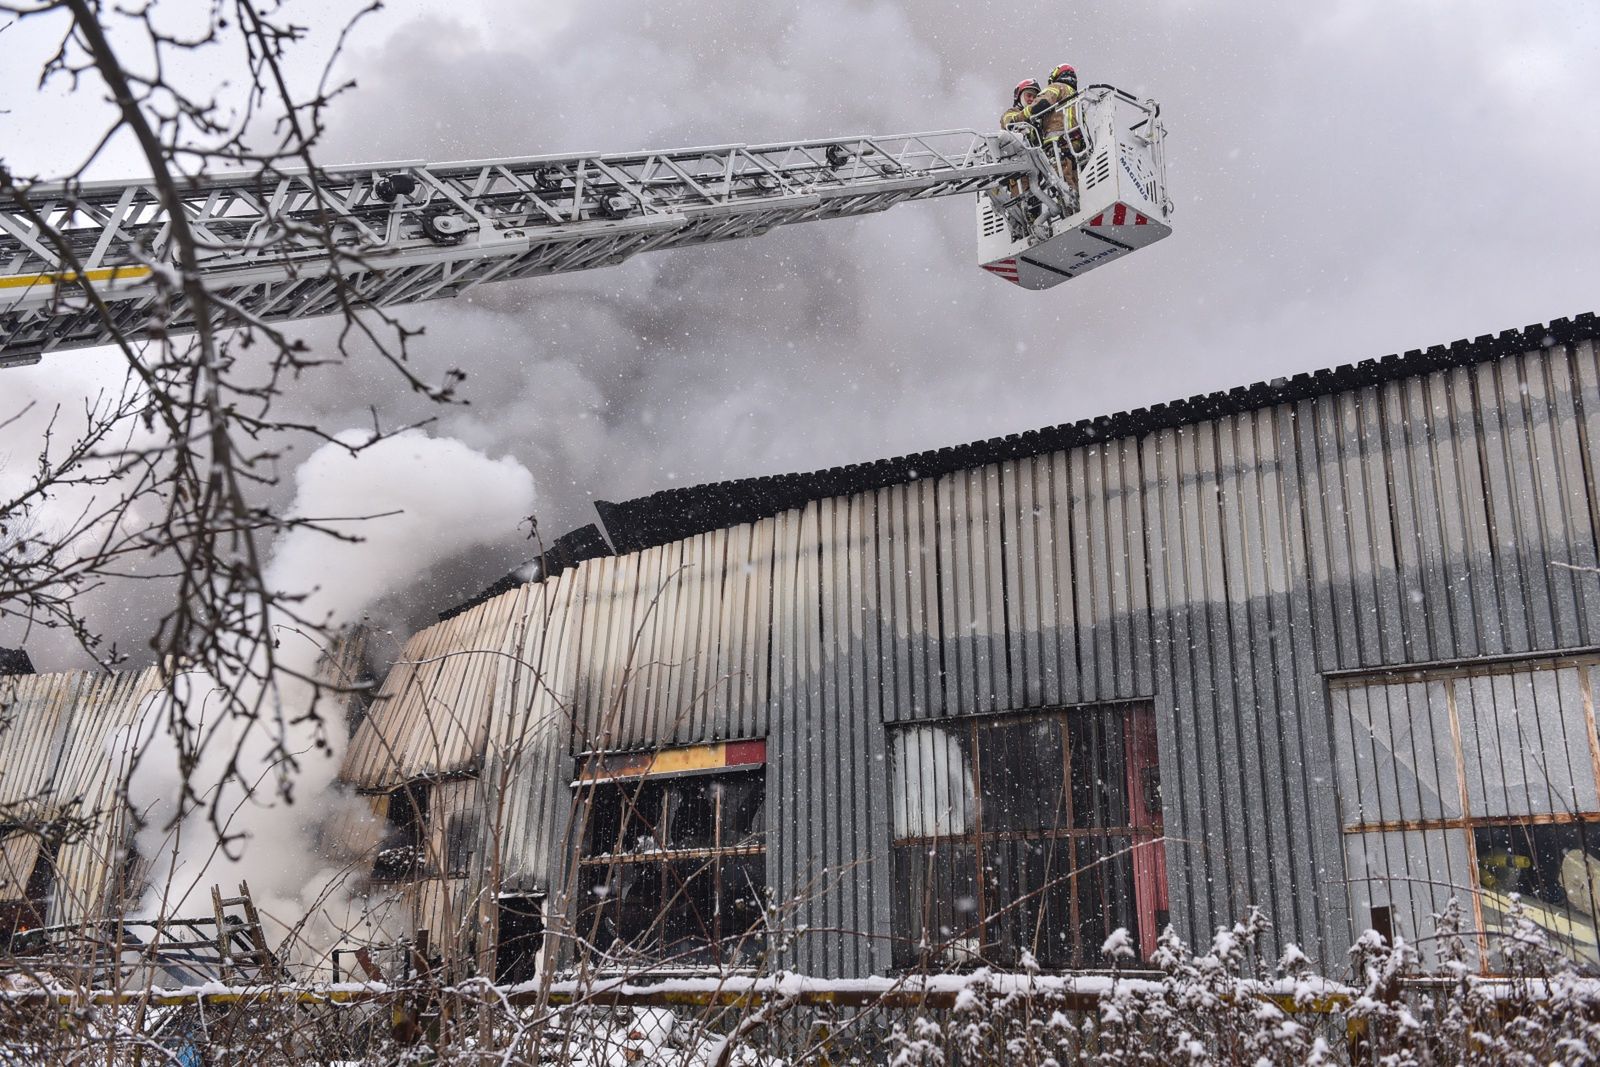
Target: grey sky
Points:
x,y
1351,179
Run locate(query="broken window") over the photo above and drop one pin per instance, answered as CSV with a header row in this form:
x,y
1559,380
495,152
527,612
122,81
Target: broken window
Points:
x,y
1553,870
520,934
400,855
460,841
1035,833
1476,783
27,875
674,866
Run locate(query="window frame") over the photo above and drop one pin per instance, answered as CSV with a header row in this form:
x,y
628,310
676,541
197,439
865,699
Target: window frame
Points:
x,y
1452,709
668,769
983,841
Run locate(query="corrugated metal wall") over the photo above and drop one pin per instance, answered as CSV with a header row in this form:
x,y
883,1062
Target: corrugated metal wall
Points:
x,y
57,740
1217,569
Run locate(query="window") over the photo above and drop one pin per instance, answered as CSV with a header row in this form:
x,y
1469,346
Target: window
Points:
x,y
28,854
521,934
460,842
1475,782
400,855
1034,833
674,864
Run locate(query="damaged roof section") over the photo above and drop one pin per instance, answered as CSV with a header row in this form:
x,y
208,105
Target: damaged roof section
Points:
x,y
431,716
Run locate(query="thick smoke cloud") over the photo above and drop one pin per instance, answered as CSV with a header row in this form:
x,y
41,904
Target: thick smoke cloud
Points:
x,y
438,499
1352,179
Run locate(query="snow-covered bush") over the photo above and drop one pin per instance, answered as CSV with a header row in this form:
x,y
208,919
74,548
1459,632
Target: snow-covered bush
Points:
x,y
1224,1004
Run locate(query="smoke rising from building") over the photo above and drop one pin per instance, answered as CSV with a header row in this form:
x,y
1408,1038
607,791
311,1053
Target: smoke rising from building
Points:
x,y
405,502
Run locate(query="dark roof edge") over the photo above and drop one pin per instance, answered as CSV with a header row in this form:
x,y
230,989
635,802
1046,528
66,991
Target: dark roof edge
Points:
x,y
673,514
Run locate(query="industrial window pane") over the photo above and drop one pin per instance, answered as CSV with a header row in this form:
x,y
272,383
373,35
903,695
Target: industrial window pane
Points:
x,y
1554,871
1476,783
675,869
1034,834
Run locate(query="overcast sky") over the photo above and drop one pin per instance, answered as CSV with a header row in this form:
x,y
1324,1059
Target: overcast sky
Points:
x,y
1351,179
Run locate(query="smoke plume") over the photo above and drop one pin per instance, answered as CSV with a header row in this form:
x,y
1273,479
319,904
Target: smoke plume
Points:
x,y
403,503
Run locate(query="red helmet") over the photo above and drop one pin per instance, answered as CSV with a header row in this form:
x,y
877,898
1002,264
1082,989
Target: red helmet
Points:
x,y
1023,86
1064,73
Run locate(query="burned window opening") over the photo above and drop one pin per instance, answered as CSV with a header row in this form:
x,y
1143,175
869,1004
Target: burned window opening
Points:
x,y
1036,834
520,935
29,853
401,853
674,868
460,842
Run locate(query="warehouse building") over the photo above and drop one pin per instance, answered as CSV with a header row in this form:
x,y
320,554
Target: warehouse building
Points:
x,y
1325,645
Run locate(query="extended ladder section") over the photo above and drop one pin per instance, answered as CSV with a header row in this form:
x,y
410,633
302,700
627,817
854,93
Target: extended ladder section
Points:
x,y
279,246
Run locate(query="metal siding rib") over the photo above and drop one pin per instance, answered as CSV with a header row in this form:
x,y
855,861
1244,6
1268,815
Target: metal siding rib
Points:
x,y
822,910
1500,492
1281,573
1585,468
989,526
1410,523
1177,738
1260,713
93,770
1102,638
1231,862
1313,500
1438,608
1064,633
906,625
760,632
1022,584
954,591
1388,619
874,876
1529,476
723,717
534,729
1343,620
1578,589
784,772
1083,579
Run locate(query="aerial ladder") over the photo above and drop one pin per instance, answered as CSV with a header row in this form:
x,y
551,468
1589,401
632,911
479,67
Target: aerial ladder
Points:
x,y
283,245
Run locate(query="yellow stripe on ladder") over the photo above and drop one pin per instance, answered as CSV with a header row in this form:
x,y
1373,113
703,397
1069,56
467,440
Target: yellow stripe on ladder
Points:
x,y
68,277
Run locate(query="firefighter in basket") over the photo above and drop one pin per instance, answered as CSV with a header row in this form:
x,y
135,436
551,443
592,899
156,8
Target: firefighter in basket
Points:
x,y
1016,120
1057,118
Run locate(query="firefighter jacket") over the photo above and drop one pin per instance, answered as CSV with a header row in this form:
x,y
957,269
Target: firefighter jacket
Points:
x,y
1056,122
1015,114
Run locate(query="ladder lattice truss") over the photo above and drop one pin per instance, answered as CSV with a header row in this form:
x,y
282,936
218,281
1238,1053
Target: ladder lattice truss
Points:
x,y
279,246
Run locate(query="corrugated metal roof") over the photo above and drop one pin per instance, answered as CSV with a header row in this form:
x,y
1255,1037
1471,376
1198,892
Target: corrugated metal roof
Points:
x,y
92,772
32,726
55,759
431,716
674,514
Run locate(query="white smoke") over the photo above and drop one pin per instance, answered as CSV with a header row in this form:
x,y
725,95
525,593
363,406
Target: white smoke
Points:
x,y
399,506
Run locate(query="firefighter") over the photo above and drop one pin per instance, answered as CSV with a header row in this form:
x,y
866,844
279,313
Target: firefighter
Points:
x,y
1022,96
1017,115
1058,120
